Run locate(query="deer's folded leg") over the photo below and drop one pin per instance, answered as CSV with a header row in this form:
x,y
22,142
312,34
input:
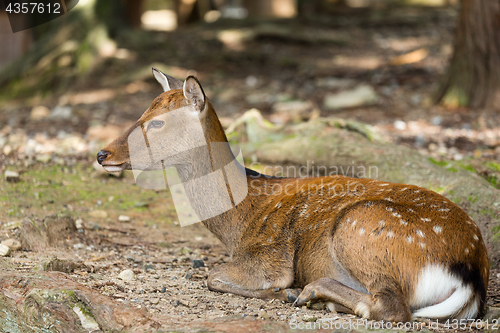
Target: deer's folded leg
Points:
x,y
386,305
240,280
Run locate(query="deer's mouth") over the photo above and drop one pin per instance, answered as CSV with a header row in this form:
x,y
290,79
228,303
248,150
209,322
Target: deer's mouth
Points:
x,y
116,167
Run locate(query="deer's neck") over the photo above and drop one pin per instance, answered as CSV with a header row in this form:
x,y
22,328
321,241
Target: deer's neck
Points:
x,y
210,186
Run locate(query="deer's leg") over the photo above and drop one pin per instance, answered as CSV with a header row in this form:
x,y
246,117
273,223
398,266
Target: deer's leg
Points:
x,y
242,280
388,304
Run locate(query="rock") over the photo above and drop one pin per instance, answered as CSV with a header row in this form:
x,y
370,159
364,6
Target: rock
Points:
x,y
52,231
79,223
188,276
123,218
296,111
87,321
7,150
163,290
362,95
61,113
127,275
148,267
399,125
334,83
263,314
4,250
78,246
39,112
43,158
11,176
100,214
198,263
13,244
155,301
59,265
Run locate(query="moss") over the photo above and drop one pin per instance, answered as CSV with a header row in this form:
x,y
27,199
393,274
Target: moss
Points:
x,y
76,191
472,198
436,162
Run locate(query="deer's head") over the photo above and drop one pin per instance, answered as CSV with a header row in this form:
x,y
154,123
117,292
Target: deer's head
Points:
x,y
170,131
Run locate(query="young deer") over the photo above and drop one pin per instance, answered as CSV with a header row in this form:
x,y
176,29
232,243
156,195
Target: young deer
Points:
x,y
379,250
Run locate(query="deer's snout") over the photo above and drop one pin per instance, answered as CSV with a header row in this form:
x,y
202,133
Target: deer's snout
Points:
x,y
101,156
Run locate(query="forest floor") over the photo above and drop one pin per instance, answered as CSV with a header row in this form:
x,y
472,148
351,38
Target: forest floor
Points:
x,y
51,141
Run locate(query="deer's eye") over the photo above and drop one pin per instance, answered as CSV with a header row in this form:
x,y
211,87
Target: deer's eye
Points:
x,y
156,124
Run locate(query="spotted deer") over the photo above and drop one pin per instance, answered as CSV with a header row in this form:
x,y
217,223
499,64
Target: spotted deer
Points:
x,y
379,250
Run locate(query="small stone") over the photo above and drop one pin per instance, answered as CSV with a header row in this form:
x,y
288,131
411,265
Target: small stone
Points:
x,y
127,275
148,267
197,263
4,250
163,290
360,96
13,244
79,223
129,257
39,112
7,150
176,303
78,246
263,314
308,318
155,301
123,218
188,276
43,158
400,125
98,214
11,176
61,112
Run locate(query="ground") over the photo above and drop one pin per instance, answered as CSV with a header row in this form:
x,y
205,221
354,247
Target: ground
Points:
x,y
54,149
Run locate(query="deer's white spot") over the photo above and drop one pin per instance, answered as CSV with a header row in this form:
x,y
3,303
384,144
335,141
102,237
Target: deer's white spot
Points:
x,y
390,234
361,231
425,219
265,218
475,238
472,245
422,245
390,209
466,250
396,215
437,229
383,184
353,223
417,199
409,239
381,223
411,210
420,233
278,205
419,204
443,210
270,240
417,191
389,199
404,189
403,222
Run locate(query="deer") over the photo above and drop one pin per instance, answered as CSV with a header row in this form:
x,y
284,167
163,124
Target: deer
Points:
x,y
378,250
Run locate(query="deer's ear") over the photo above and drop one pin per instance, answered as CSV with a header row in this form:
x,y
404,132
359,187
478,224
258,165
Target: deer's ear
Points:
x,y
193,92
166,81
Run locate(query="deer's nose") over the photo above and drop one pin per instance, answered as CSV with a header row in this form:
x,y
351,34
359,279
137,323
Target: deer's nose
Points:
x,y
101,156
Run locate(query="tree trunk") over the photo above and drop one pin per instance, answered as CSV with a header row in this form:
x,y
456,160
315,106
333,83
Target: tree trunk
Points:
x,y
473,76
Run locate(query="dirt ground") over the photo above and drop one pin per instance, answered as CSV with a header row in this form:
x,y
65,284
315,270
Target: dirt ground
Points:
x,y
55,154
